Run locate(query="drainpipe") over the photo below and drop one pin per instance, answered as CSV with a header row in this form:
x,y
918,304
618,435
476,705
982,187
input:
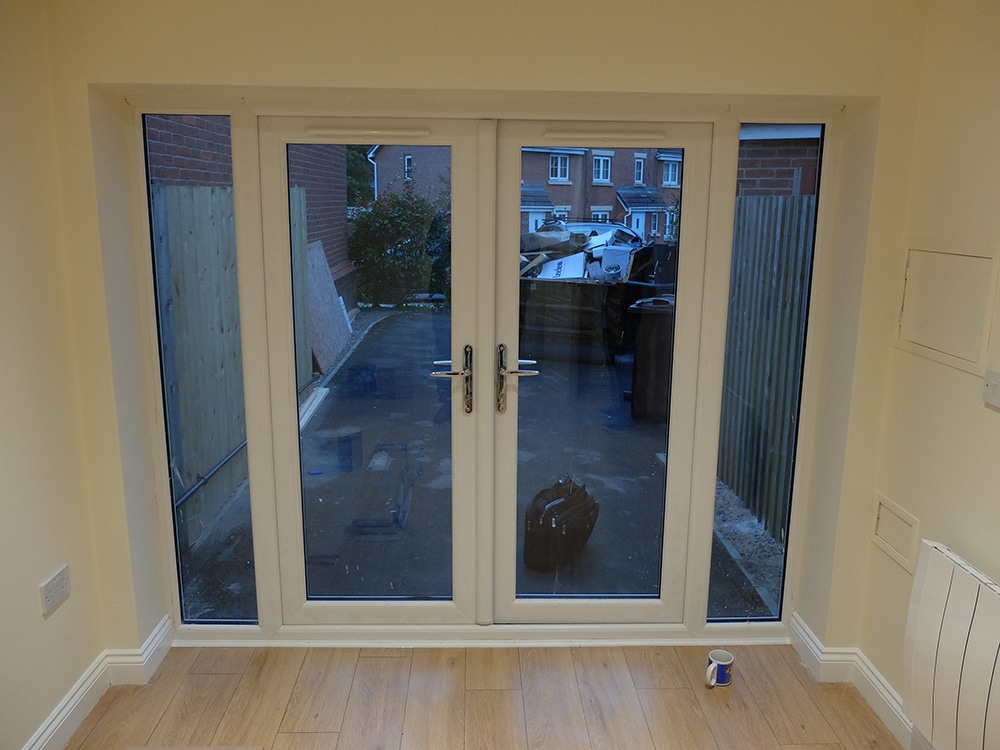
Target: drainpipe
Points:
x,y
628,211
371,153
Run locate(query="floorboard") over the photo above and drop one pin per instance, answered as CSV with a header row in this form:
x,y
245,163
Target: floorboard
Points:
x,y
319,698
196,710
610,703
435,703
376,707
675,720
494,719
553,709
255,711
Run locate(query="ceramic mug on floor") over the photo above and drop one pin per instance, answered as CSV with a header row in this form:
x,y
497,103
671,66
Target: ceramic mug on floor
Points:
x,y
720,668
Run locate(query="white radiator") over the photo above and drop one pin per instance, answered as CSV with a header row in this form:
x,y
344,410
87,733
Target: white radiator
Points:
x,y
953,639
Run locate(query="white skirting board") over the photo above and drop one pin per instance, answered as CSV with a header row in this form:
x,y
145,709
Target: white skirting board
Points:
x,y
852,666
113,667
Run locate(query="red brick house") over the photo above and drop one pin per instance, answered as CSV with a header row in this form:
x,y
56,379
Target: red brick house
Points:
x,y
637,187
424,169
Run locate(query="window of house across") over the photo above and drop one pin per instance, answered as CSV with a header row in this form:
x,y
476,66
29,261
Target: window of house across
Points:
x,y
640,169
558,168
602,169
671,174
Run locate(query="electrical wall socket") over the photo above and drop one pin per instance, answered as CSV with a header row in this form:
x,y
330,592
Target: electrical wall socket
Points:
x,y
55,590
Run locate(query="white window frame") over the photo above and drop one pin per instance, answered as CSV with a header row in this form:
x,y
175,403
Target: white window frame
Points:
x,y
671,174
559,169
672,224
408,167
602,169
600,213
640,169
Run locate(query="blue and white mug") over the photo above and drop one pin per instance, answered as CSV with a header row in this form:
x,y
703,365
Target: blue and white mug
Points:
x,y
720,668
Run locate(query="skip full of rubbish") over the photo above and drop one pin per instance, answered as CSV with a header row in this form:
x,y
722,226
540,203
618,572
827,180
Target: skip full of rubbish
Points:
x,y
588,251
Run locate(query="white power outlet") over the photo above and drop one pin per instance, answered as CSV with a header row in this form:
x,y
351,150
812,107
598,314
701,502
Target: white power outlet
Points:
x,y
55,590
991,388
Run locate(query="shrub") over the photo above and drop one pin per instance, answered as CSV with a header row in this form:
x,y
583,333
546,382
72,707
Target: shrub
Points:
x,y
389,247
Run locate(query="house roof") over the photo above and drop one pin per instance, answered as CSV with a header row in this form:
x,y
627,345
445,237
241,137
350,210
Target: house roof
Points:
x,y
641,199
534,197
670,154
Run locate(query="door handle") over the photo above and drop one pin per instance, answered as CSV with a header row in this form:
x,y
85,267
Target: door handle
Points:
x,y
465,373
503,373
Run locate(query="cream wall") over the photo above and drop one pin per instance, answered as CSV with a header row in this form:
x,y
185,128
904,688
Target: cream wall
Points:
x,y
44,503
941,444
72,274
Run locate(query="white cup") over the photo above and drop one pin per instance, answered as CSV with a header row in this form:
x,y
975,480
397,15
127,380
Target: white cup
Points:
x,y
720,668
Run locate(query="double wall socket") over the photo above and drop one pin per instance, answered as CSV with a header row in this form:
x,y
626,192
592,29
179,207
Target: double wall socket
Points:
x,y
55,590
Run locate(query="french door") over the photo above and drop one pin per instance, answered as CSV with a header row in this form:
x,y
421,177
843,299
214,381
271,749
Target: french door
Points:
x,y
442,367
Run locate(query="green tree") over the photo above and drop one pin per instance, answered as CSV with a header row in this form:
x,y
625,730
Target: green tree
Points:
x,y
360,176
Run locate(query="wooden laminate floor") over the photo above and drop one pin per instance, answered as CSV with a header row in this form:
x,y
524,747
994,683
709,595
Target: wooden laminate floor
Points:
x,y
631,698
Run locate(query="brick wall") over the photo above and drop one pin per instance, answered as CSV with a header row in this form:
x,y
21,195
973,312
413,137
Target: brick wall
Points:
x,y
189,150
322,170
430,172
778,167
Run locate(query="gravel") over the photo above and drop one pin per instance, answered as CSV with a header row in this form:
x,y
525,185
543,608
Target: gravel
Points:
x,y
752,547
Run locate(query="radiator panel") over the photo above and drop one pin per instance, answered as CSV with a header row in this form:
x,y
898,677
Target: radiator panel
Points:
x,y
950,657
977,676
930,595
954,644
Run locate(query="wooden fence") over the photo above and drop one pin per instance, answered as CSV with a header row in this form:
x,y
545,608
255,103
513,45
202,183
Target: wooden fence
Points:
x,y
765,340
298,240
194,243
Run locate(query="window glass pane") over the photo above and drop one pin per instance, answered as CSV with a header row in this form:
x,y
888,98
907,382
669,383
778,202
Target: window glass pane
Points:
x,y
189,168
597,304
770,279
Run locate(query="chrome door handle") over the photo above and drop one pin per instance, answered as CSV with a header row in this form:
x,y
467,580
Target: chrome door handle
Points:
x,y
465,373
503,373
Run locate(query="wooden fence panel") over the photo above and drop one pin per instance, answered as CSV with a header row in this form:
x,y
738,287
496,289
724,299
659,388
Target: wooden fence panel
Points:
x,y
298,239
765,340
201,351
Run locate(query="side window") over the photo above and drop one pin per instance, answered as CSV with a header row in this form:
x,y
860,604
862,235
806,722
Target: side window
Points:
x,y
772,258
190,189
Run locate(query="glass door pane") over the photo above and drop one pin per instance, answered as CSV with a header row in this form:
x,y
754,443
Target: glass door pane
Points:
x,y
596,528
367,508
374,425
596,315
